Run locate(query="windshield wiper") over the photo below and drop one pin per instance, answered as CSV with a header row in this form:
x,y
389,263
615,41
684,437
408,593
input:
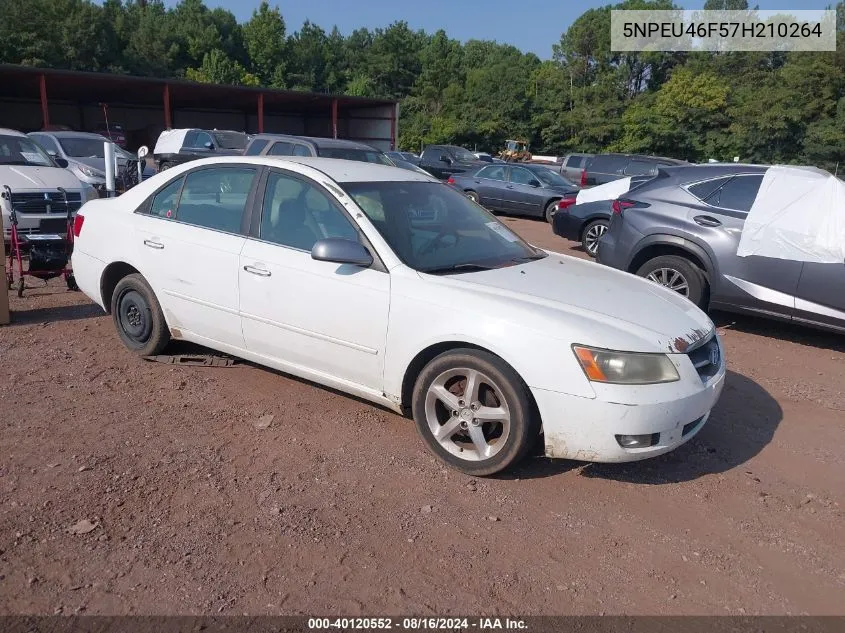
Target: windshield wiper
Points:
x,y
457,268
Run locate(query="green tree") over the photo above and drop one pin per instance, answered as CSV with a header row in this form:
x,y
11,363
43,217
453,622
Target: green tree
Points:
x,y
266,45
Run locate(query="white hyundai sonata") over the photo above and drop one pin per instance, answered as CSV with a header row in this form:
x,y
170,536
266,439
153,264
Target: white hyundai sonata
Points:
x,y
394,287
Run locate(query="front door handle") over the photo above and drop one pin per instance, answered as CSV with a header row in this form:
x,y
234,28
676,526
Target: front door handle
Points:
x,y
508,186
261,272
154,244
706,220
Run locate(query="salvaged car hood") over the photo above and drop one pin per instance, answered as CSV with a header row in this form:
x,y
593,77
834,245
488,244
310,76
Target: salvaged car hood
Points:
x,y
27,178
616,299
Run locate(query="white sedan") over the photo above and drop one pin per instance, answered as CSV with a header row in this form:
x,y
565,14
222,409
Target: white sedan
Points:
x,y
394,287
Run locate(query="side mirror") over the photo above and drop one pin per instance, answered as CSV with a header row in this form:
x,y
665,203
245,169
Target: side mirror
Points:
x,y
61,162
341,251
534,183
444,158
209,145
143,151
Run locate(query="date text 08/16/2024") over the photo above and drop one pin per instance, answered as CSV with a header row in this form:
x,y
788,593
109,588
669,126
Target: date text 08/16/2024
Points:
x,y
417,624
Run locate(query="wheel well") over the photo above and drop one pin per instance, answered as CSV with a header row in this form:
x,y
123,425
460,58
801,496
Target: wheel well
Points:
x,y
113,273
658,250
428,354
550,200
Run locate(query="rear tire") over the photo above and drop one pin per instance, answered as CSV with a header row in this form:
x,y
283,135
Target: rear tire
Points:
x,y
138,317
163,166
679,274
474,197
478,433
591,234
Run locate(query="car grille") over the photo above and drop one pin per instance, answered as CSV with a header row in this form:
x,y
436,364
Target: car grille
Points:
x,y
706,358
52,202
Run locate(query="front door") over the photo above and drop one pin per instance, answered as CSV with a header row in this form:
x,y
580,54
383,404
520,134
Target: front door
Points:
x,y
323,317
189,242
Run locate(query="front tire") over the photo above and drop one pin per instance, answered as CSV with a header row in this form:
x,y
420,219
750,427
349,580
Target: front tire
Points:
x,y
591,235
138,317
474,412
678,274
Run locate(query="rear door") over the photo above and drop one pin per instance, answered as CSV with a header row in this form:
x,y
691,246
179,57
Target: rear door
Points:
x,y
490,184
762,284
821,294
189,238
521,197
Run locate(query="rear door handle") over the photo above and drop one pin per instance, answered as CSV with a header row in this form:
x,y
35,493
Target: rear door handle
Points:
x,y
706,220
508,186
261,272
153,244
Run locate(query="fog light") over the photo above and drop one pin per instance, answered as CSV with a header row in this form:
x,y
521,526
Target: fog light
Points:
x,y
638,441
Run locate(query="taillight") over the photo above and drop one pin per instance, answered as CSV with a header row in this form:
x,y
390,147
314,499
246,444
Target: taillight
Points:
x,y
450,181
564,203
620,204
77,224
583,177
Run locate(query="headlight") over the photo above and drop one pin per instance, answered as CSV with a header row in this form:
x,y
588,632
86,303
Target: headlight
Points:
x,y
91,172
626,368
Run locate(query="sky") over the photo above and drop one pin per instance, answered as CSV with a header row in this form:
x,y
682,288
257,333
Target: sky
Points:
x,y
530,25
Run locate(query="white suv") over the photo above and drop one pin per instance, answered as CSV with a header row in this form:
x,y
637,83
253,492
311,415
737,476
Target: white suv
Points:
x,y
34,179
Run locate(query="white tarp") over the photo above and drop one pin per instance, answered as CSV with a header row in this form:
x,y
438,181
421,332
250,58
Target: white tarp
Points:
x,y
170,142
608,191
798,214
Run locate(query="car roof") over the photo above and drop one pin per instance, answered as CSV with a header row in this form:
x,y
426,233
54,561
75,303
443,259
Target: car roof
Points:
x,y
65,134
644,157
691,173
11,132
319,141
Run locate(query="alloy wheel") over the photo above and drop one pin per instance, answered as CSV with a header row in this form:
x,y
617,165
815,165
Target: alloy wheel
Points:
x,y
670,278
592,237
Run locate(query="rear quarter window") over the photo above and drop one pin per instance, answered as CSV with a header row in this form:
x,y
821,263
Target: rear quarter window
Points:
x,y
703,190
255,147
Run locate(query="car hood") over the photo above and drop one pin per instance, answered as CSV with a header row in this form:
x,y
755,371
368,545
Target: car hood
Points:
x,y
605,307
21,177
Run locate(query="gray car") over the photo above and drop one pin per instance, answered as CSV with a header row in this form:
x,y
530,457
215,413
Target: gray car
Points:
x,y
682,229
292,145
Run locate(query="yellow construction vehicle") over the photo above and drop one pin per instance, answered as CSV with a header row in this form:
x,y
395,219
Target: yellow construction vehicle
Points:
x,y
515,151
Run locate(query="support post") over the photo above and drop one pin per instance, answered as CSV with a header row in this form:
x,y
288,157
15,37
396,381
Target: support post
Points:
x,y
394,117
334,118
168,122
45,114
261,113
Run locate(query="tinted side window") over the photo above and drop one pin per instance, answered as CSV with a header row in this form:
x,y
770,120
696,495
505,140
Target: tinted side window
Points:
x,y
493,173
280,149
431,154
301,150
640,168
165,201
704,190
521,176
255,147
739,193
607,164
202,139
190,139
216,198
574,161
297,214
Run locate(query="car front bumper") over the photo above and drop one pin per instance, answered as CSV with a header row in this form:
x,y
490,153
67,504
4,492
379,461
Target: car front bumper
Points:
x,y
586,429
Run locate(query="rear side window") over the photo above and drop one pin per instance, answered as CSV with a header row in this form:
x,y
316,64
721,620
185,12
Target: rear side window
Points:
x,y
255,147
739,193
492,173
301,150
575,161
703,190
607,164
165,201
280,149
640,168
215,198
431,154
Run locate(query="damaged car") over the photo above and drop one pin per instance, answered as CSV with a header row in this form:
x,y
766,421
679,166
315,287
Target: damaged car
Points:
x,y
394,287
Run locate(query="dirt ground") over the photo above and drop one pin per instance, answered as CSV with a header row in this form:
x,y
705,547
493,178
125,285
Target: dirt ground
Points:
x,y
131,487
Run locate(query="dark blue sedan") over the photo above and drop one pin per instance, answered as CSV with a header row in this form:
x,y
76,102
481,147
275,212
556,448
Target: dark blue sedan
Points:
x,y
518,189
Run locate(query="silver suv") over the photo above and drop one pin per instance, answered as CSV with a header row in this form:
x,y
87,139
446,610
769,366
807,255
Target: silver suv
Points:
x,y
682,229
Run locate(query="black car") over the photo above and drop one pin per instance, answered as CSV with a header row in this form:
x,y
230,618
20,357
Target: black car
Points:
x,y
604,168
442,161
587,222
175,147
523,189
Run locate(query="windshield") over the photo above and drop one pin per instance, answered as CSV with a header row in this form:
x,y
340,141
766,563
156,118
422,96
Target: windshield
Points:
x,y
435,229
550,177
20,150
83,147
230,140
463,155
361,155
